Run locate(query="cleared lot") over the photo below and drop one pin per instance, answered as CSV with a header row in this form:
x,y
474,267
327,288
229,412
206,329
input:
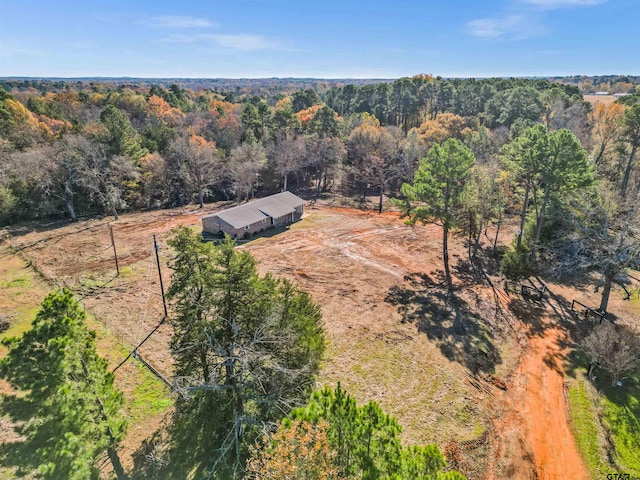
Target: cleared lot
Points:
x,y
437,366
352,263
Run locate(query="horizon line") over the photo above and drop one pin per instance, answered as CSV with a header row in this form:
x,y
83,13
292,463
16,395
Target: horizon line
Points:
x,y
106,77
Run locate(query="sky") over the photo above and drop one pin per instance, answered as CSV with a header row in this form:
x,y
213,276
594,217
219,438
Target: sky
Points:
x,y
320,39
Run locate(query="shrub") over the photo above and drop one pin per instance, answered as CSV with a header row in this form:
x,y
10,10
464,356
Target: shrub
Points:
x,y
516,263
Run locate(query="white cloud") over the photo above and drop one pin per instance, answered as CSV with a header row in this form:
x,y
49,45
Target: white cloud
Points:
x,y
177,21
179,38
240,42
553,4
514,27
245,42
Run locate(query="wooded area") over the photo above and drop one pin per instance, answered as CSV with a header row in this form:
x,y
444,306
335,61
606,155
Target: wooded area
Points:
x,y
465,155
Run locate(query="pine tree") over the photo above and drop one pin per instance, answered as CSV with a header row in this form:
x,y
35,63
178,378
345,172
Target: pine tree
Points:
x,y
366,440
437,190
246,351
66,408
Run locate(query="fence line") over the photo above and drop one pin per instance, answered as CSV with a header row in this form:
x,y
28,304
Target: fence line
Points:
x,y
527,291
61,283
137,356
588,311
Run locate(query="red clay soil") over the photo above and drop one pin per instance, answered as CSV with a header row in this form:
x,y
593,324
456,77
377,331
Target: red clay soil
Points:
x,y
544,409
537,399
533,439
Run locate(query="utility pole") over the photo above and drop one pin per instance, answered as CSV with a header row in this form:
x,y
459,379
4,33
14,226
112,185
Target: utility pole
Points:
x,y
115,254
156,247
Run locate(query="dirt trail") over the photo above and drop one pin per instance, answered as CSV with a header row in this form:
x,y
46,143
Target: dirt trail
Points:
x,y
536,441
351,261
543,408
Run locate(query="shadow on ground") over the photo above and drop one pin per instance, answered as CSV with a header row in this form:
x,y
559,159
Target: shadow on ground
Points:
x,y
188,445
457,322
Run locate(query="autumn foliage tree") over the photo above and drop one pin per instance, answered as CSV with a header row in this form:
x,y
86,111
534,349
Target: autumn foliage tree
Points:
x,y
606,128
443,127
160,108
298,450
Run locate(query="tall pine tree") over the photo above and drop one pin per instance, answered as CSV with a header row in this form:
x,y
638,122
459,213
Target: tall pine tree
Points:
x,y
66,409
437,189
246,351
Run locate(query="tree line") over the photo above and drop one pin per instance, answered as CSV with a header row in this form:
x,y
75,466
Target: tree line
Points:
x,y
537,148
74,149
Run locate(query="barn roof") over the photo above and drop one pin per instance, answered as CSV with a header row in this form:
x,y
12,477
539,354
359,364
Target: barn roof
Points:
x,y
279,205
275,206
241,216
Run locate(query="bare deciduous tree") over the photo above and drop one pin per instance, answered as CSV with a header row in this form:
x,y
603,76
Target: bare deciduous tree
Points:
x,y
325,158
603,234
614,348
103,176
247,161
372,154
198,160
287,153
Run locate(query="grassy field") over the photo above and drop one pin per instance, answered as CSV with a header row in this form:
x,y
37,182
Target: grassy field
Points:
x,y
621,417
606,423
147,398
586,427
381,347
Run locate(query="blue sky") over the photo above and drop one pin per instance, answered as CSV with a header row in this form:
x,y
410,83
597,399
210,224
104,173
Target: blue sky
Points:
x,y
322,39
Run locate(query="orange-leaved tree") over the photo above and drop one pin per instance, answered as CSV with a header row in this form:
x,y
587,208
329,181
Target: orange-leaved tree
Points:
x,y
298,450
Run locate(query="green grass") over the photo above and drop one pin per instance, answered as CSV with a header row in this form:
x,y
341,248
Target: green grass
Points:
x,y
150,397
145,394
92,280
22,318
22,290
23,281
584,422
621,417
614,409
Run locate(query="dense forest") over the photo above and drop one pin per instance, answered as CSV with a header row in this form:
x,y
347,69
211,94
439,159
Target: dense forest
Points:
x,y
537,148
464,154
90,147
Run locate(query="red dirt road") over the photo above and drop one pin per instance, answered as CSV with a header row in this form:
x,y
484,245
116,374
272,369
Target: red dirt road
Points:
x,y
544,410
540,401
535,437
349,261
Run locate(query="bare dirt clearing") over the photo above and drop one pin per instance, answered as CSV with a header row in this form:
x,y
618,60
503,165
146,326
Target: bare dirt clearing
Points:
x,y
368,273
437,364
596,99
